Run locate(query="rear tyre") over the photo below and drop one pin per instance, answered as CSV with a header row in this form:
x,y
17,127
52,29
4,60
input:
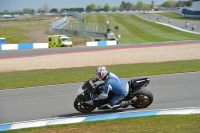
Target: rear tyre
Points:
x,y
83,107
142,99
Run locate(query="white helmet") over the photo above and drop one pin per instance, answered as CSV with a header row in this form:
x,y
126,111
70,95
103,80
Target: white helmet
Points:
x,y
101,72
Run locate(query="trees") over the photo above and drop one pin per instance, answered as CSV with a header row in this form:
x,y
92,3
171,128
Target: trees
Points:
x,y
166,4
141,5
91,7
129,6
6,11
40,10
107,7
126,5
169,4
54,10
33,11
184,3
123,5
19,12
189,3
99,7
28,11
114,8
72,10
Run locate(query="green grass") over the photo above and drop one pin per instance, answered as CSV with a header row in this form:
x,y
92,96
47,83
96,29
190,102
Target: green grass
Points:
x,y
176,16
136,30
21,79
131,28
151,124
17,30
13,34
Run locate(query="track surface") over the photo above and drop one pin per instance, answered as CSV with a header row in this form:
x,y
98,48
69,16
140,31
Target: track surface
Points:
x,y
42,52
170,91
174,22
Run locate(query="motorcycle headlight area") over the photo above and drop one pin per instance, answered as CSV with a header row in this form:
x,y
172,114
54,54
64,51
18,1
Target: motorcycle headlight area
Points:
x,y
82,95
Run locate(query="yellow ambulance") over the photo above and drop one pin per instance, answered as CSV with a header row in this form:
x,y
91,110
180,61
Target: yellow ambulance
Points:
x,y
59,41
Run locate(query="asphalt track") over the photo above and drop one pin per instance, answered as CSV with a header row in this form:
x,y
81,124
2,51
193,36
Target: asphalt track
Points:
x,y
45,52
170,91
174,22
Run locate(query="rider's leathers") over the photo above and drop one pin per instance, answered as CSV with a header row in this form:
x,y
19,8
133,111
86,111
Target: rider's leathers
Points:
x,y
118,86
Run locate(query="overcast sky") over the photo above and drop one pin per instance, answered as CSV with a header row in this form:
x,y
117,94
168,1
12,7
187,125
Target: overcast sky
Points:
x,y
16,5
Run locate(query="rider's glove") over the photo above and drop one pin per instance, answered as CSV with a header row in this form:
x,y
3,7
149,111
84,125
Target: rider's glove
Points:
x,y
93,80
99,90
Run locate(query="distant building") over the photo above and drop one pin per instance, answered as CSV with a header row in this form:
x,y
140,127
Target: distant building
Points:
x,y
196,5
193,10
8,16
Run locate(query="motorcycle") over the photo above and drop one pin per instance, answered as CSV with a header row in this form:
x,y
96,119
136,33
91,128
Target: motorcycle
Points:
x,y
88,97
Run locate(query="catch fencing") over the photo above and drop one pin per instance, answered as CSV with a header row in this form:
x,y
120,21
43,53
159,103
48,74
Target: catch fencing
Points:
x,y
58,23
78,28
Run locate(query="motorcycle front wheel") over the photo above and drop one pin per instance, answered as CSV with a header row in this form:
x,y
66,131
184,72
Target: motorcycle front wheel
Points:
x,y
142,99
82,106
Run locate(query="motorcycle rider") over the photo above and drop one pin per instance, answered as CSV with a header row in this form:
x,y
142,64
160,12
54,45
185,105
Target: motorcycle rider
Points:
x,y
118,86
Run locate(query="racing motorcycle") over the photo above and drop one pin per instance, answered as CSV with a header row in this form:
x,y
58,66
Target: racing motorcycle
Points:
x,y
88,97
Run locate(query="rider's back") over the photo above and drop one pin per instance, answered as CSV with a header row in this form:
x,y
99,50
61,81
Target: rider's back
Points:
x,y
118,84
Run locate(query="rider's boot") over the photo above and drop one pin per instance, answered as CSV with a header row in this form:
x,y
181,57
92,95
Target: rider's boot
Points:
x,y
103,107
110,106
125,104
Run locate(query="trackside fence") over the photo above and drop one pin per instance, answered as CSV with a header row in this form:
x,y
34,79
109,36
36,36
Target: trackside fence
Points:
x,y
63,26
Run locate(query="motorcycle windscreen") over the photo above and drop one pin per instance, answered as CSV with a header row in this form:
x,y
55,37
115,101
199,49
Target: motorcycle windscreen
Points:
x,y
85,86
80,90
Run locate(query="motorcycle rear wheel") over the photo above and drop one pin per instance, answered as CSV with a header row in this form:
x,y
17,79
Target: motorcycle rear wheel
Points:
x,y
142,99
83,107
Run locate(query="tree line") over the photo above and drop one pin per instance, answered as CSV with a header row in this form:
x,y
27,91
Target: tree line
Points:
x,y
92,7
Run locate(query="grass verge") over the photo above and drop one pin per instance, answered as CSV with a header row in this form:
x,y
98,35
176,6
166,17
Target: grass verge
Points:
x,y
21,79
151,124
131,28
136,30
17,30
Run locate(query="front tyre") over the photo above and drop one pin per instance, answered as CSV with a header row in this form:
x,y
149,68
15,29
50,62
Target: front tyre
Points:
x,y
82,106
142,99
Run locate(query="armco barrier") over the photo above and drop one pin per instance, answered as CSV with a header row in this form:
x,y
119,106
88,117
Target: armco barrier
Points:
x,y
109,116
101,43
23,46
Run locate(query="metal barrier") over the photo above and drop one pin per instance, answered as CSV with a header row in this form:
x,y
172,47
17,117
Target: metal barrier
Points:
x,y
79,33
63,26
58,23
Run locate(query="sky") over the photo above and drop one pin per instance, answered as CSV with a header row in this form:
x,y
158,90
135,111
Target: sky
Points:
x,y
16,5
